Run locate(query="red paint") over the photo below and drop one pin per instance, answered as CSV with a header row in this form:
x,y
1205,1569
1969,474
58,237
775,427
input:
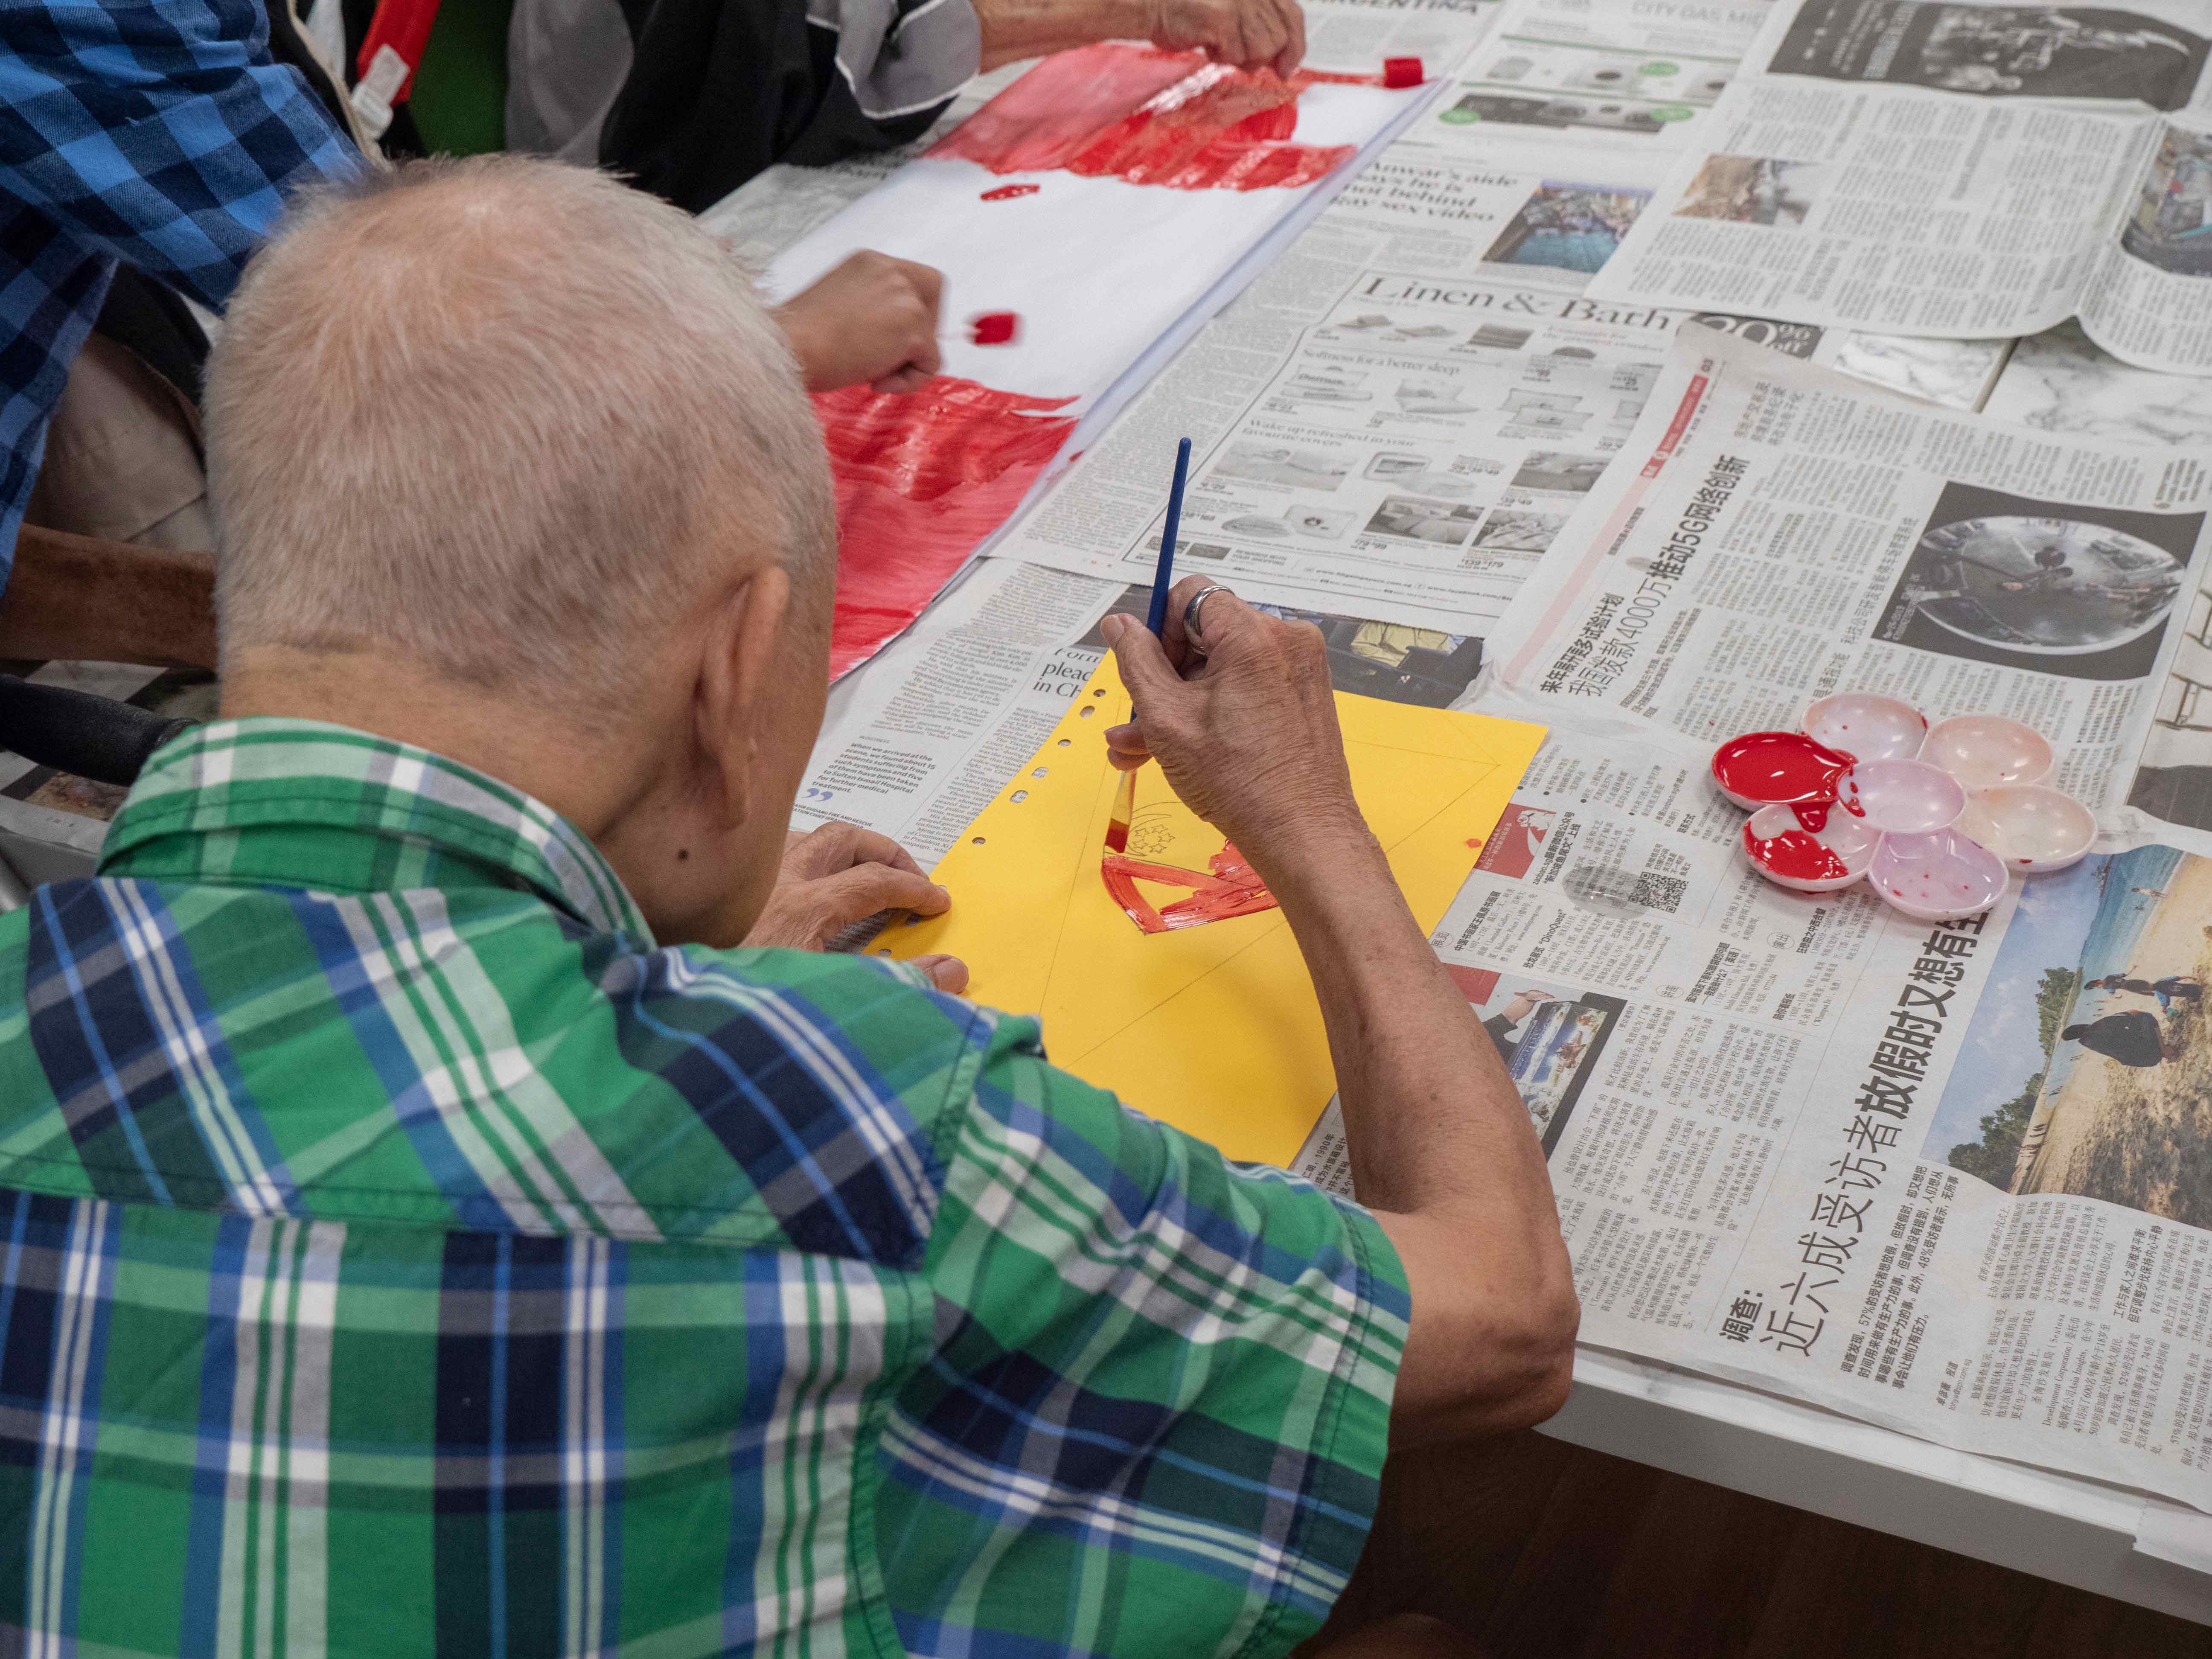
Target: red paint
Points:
x,y
994,328
1009,192
921,479
1233,888
1795,854
1402,72
1814,818
1783,769
1121,111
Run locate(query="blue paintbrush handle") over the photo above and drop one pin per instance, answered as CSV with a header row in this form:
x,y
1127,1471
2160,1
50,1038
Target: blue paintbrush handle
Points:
x,y
1163,573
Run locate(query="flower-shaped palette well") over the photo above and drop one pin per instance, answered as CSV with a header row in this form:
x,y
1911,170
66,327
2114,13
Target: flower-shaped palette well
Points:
x,y
1935,817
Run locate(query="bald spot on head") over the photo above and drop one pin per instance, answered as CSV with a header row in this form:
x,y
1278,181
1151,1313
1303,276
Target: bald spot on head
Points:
x,y
507,419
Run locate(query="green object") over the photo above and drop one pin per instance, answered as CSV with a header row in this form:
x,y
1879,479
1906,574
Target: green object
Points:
x,y
1658,66
1671,111
459,95
423,1262
1459,118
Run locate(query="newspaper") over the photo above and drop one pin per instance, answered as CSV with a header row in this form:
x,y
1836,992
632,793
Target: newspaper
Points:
x,y
1778,534
1809,1145
1398,418
1954,170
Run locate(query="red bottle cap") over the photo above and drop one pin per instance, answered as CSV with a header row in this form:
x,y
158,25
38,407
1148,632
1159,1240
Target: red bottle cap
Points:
x,y
1402,72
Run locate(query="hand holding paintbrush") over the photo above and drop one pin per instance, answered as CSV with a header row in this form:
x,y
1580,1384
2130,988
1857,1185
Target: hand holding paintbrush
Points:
x,y
1125,800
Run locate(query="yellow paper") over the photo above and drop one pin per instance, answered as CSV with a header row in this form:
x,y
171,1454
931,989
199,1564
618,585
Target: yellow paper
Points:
x,y
1213,1028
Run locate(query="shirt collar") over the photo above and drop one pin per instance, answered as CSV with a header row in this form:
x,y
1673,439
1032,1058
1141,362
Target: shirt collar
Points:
x,y
199,791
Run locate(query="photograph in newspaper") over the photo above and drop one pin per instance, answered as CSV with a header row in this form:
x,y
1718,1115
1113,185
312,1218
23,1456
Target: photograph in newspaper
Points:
x,y
1753,190
1568,226
2150,301
2004,578
2172,226
1995,50
2172,762
2088,1067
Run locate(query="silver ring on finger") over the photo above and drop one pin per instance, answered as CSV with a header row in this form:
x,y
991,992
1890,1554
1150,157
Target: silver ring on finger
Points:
x,y
1191,635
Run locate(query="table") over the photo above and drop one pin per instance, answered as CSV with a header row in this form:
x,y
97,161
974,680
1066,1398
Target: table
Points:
x,y
2056,1526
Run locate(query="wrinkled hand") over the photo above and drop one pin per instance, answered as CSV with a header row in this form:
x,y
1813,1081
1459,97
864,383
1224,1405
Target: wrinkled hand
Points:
x,y
872,318
833,876
1252,34
1246,733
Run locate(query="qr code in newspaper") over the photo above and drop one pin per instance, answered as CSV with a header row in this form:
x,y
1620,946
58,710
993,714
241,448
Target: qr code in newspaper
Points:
x,y
1658,892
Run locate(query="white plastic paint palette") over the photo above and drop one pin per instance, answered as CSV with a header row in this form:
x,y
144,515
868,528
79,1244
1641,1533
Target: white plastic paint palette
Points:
x,y
1934,818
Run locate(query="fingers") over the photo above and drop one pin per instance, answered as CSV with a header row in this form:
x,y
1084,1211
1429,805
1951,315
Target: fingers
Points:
x,y
1126,747
948,974
1172,633
839,901
1225,625
1143,661
838,846
911,319
927,282
909,379
872,318
1265,33
1294,49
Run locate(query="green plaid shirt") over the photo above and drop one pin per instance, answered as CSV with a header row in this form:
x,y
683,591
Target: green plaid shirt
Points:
x,y
405,1256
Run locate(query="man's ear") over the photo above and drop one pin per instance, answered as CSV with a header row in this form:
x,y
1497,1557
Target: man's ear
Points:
x,y
730,704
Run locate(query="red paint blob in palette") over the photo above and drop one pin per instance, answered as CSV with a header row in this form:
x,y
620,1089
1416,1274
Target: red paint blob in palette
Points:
x,y
994,328
1010,192
1794,853
1784,768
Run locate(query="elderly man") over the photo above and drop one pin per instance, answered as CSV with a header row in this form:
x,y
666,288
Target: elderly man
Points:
x,y
429,1229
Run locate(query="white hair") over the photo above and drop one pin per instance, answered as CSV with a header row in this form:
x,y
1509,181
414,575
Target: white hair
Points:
x,y
508,418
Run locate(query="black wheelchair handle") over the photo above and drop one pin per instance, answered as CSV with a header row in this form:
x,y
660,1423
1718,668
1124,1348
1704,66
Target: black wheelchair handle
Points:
x,y
94,737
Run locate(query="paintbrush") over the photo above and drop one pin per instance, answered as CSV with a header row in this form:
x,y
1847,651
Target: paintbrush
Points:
x,y
1125,798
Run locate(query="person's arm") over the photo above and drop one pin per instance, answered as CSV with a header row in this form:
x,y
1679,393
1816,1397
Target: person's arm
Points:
x,y
1252,34
102,107
1442,1147
80,595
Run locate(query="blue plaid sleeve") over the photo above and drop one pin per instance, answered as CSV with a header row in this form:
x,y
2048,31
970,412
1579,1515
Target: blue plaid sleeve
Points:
x,y
1155,1414
159,134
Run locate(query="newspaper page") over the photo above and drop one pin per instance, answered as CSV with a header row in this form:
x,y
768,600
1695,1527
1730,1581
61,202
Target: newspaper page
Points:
x,y
1950,1179
1953,170
1633,77
1778,534
1397,418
